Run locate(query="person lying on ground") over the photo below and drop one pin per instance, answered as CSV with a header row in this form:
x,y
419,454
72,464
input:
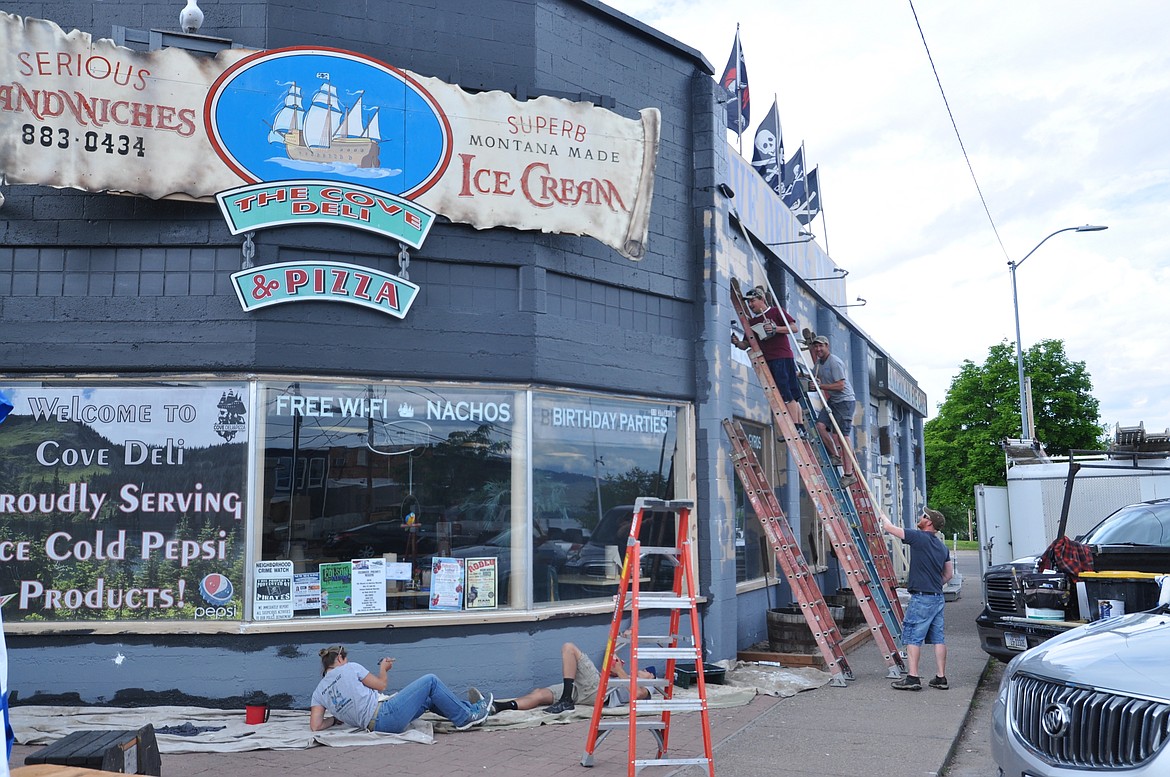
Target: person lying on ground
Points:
x,y
354,696
579,685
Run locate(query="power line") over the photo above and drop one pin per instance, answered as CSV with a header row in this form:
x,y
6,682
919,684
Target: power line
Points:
x,y
963,147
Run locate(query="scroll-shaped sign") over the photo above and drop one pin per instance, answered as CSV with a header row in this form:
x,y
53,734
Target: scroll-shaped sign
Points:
x,y
91,115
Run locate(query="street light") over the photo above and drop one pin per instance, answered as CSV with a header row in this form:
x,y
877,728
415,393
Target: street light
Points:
x,y
1013,266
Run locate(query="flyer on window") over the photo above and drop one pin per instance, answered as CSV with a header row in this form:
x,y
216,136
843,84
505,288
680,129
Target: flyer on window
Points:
x,y
272,599
446,583
369,586
482,583
306,591
336,589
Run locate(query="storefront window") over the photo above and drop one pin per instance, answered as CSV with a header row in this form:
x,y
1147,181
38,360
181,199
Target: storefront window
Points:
x,y
592,458
403,474
751,546
123,503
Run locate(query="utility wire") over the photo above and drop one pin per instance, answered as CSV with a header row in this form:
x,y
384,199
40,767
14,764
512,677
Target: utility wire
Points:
x,y
942,92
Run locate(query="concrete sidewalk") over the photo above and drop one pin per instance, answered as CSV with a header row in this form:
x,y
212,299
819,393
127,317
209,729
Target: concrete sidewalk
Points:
x,y
863,729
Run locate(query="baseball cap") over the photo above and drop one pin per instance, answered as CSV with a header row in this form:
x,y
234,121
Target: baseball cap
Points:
x,y
754,293
821,339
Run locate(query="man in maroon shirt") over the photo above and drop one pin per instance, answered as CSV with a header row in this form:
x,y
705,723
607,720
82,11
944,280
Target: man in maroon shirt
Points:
x,y
776,324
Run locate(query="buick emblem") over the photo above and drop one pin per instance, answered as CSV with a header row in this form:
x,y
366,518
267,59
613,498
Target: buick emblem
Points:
x,y
1055,719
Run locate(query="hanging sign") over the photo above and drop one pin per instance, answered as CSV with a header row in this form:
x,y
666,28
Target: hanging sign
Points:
x,y
75,112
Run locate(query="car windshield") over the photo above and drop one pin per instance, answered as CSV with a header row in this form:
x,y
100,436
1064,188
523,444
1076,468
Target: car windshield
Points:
x,y
1142,524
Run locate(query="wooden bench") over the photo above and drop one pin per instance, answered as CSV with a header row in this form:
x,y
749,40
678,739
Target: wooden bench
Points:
x,y
126,752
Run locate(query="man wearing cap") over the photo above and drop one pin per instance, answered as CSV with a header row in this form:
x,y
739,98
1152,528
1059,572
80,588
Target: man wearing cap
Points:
x,y
777,350
830,374
930,569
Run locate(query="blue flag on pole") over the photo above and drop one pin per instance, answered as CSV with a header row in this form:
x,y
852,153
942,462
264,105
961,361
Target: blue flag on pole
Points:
x,y
735,81
794,179
769,152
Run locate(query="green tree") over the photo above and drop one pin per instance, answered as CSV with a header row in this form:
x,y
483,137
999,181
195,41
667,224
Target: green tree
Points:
x,y
982,409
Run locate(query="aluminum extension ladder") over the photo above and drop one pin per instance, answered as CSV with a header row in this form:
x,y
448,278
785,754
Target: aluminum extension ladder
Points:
x,y
836,511
671,647
787,549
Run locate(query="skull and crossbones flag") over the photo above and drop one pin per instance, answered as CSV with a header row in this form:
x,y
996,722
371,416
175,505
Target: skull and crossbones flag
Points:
x,y
769,150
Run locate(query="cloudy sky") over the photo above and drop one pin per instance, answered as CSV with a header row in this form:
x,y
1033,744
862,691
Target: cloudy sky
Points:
x,y
1064,109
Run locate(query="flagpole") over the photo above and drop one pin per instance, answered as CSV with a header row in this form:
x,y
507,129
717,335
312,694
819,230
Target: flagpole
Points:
x,y
779,137
824,223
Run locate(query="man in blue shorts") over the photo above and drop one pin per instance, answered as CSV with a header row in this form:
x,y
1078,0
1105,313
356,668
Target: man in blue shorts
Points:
x,y
930,568
776,346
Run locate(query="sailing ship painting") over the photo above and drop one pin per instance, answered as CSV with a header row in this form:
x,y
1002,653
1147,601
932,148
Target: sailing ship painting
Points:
x,y
326,132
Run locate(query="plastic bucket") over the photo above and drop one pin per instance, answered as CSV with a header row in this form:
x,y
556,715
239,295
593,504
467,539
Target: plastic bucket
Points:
x,y
255,714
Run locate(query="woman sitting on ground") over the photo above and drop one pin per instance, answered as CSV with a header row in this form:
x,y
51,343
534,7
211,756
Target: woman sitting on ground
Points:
x,y
353,695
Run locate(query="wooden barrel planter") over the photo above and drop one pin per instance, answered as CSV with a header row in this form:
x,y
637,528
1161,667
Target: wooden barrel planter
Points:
x,y
854,617
788,631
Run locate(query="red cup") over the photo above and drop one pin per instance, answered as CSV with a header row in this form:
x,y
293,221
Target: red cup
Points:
x,y
254,714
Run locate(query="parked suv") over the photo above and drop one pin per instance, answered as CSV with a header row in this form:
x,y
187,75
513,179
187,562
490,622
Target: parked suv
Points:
x,y
599,569
1095,699
1135,538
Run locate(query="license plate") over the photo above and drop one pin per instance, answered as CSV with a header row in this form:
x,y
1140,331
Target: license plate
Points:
x,y
1015,641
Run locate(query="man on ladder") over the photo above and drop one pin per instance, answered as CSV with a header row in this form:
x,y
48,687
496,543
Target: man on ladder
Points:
x,y
772,326
833,379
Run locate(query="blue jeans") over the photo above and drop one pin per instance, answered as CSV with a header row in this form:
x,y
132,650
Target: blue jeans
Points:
x,y
784,374
426,694
924,621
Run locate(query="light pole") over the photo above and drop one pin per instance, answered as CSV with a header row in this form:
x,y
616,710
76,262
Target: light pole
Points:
x,y
1013,266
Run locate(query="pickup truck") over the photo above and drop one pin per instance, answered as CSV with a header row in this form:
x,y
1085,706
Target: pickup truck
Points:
x,y
1135,538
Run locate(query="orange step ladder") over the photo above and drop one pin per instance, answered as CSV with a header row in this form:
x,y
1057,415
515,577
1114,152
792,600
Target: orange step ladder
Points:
x,y
671,647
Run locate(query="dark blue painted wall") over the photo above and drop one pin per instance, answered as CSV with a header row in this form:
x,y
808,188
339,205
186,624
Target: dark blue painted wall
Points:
x,y
111,284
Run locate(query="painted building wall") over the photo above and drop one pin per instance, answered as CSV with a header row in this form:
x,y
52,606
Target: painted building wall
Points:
x,y
96,283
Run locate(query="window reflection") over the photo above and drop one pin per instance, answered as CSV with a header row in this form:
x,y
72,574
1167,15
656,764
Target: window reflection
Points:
x,y
412,472
592,458
404,473
750,543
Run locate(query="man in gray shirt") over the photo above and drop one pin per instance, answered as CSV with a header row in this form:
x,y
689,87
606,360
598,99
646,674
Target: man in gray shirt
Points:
x,y
833,379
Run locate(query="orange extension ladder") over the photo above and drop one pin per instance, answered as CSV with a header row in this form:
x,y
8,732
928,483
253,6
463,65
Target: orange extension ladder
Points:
x,y
788,555
852,542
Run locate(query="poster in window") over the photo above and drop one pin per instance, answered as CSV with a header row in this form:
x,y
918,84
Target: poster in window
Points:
x,y
369,586
307,591
272,598
446,583
482,583
336,589
124,502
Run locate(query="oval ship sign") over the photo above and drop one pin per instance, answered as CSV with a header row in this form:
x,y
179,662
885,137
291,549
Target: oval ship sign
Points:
x,y
327,137
326,114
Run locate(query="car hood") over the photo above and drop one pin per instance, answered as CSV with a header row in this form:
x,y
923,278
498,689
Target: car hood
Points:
x,y
1021,565
1126,654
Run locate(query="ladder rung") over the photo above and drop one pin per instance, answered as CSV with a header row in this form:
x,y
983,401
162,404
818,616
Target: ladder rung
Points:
x,y
671,705
655,724
641,762
670,602
668,652
660,638
660,550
